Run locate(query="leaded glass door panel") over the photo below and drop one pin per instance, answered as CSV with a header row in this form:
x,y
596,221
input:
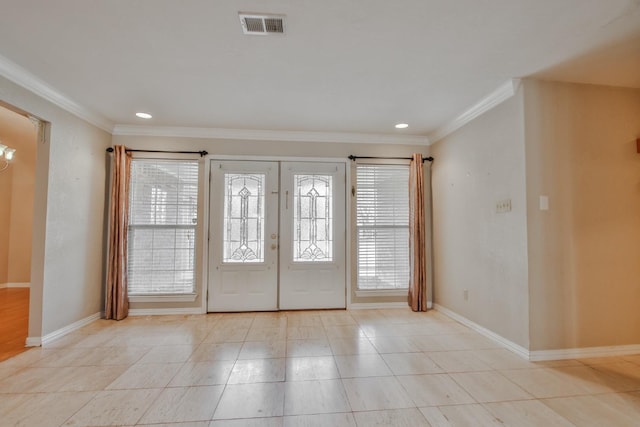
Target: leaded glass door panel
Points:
x,y
312,235
243,270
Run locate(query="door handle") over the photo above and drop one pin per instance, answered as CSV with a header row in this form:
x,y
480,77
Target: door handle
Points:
x,y
274,246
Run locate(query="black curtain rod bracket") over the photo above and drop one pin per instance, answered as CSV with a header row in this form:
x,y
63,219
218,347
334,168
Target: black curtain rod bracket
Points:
x,y
202,153
354,158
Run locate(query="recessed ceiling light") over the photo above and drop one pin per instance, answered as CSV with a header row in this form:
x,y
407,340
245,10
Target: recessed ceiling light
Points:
x,y
144,115
402,126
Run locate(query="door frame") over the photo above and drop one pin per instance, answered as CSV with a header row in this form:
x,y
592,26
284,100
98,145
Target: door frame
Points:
x,y
206,214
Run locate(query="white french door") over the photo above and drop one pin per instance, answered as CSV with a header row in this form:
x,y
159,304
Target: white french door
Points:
x,y
243,236
276,236
312,235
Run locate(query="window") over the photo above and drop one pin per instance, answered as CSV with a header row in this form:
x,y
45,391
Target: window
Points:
x,y
382,223
312,218
163,208
243,217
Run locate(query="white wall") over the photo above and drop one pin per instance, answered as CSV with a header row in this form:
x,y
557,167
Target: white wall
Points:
x,y
67,265
475,248
584,252
556,279
16,198
18,132
273,148
6,191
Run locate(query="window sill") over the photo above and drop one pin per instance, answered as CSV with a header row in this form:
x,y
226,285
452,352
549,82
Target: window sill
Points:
x,y
163,298
382,292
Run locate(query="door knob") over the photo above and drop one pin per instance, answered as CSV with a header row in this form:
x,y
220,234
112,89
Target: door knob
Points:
x,y
274,235
274,246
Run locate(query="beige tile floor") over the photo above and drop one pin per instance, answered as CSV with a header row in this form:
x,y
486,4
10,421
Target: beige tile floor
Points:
x,y
314,368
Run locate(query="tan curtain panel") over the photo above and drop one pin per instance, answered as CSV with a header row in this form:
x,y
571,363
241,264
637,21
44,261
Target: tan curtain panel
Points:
x,y
417,232
117,301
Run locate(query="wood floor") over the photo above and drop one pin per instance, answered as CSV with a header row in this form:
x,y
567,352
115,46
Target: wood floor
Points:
x,y
14,321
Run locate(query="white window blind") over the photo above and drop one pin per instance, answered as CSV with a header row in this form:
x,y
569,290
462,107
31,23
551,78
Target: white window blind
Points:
x,y
163,206
382,210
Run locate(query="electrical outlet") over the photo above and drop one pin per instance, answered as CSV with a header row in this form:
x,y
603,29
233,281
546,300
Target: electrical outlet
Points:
x,y
465,294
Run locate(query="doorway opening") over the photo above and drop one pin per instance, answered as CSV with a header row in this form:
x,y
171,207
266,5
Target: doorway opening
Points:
x,y
18,132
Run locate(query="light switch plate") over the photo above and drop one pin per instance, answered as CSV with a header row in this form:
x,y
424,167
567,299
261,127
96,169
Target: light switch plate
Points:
x,y
544,203
503,206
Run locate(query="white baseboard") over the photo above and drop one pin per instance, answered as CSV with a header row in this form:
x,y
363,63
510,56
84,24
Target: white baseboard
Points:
x,y
33,342
164,311
585,352
15,285
543,355
375,305
510,345
38,341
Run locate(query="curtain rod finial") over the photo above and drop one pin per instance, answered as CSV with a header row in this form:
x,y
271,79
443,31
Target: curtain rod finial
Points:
x,y
110,150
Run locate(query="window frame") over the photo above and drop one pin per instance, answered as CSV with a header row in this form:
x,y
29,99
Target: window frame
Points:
x,y
163,297
377,292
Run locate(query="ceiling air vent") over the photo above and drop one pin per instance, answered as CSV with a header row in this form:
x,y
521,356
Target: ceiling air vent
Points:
x,y
261,24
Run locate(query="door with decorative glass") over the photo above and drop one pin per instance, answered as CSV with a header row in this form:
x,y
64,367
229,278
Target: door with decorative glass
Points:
x,y
250,231
243,236
312,228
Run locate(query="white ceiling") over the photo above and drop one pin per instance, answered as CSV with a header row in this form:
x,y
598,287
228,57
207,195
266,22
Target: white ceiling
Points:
x,y
342,66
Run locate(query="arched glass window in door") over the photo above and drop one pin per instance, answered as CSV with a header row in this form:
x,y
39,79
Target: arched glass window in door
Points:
x,y
312,218
243,217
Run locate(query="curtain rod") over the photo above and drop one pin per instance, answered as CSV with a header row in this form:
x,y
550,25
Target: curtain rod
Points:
x,y
354,158
202,153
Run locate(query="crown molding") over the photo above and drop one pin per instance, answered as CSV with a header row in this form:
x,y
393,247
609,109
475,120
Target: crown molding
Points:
x,y
268,135
495,98
20,76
